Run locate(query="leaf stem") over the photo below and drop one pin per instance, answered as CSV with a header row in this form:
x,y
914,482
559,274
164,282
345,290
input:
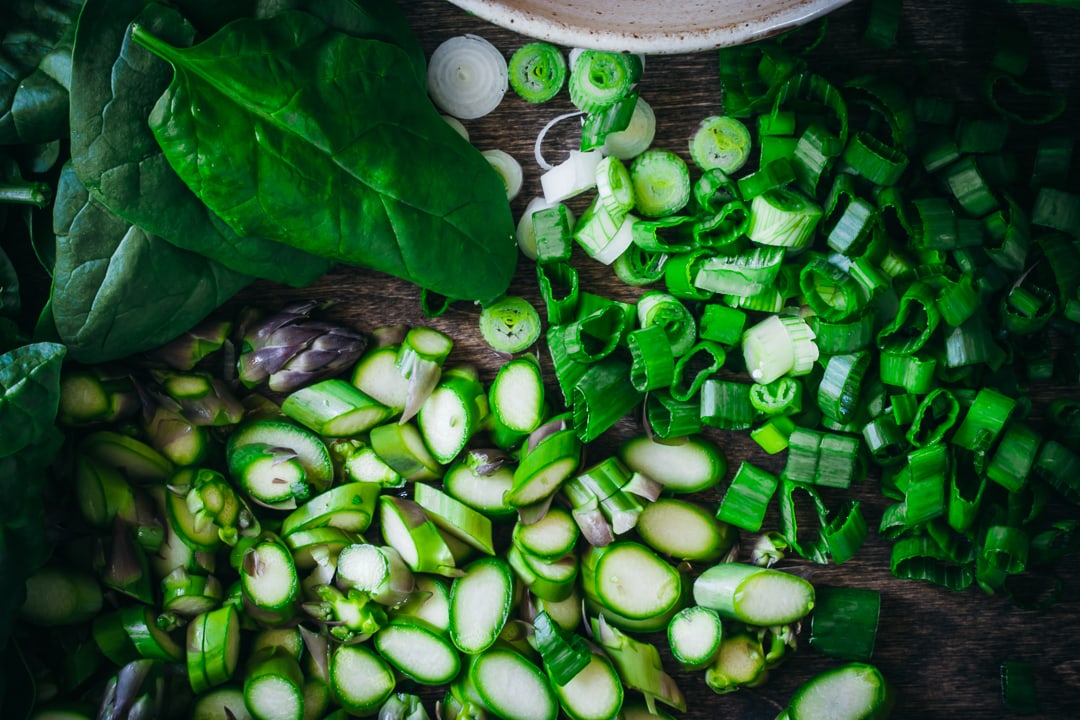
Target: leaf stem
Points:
x,y
150,41
36,194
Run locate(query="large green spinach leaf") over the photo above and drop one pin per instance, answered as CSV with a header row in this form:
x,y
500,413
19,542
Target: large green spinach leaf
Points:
x,y
29,378
116,84
290,130
119,290
35,69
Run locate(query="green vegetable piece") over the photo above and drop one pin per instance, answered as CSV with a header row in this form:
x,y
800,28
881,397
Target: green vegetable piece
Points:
x,y
537,71
106,269
511,324
720,142
323,177
855,691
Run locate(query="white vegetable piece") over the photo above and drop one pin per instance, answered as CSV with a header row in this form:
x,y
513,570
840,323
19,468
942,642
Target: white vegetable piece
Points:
x,y
509,170
638,135
467,77
571,177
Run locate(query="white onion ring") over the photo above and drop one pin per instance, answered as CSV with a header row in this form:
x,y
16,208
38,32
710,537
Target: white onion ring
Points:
x,y
526,238
457,125
509,170
537,151
467,77
637,137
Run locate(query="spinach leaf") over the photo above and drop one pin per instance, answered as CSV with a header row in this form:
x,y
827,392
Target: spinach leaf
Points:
x,y
119,290
290,130
116,83
373,19
29,393
9,287
35,69
209,15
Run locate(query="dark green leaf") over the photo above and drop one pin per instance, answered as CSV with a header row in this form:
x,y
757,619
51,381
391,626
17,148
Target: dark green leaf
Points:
x,y
290,130
29,394
118,290
209,15
9,287
35,69
23,548
373,19
116,83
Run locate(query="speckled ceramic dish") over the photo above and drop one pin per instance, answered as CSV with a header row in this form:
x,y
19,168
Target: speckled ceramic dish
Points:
x,y
649,26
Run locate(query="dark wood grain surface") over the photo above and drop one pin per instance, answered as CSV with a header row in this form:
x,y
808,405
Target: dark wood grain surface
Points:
x,y
940,649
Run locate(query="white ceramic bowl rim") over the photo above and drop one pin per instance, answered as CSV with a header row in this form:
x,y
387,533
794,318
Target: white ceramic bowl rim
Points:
x,y
650,27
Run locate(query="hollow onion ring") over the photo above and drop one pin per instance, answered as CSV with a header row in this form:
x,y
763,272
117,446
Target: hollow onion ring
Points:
x,y
467,77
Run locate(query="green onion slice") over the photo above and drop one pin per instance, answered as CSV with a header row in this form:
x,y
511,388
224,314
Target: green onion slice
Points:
x,y
599,78
661,182
510,324
720,142
537,71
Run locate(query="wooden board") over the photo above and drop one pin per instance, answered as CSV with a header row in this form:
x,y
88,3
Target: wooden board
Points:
x,y
941,650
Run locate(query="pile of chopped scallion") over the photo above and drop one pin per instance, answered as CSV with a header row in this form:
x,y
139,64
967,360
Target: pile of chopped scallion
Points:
x,y
864,276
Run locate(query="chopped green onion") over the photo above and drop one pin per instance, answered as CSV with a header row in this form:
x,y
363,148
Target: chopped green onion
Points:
x,y
604,235
661,181
916,319
609,122
774,435
839,389
925,492
879,163
510,324
1018,687
985,419
652,364
1015,456
745,274
721,324
782,396
558,283
537,71
697,365
747,498
599,78
720,142
844,623
726,404
602,396
551,228
638,135
671,418
920,558
783,218
934,417
672,316
777,346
